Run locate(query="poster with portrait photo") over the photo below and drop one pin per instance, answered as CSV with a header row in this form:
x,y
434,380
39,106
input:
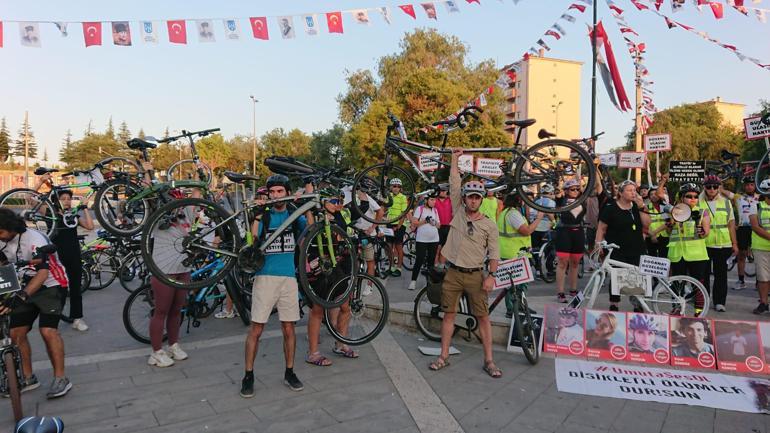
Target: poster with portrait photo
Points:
x,y
647,338
29,34
692,342
764,337
121,33
205,31
738,346
286,24
605,335
564,330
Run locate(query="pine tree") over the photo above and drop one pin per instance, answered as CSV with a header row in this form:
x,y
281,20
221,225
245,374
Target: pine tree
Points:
x,y
166,134
89,129
66,145
18,150
141,133
110,132
123,133
5,142
45,154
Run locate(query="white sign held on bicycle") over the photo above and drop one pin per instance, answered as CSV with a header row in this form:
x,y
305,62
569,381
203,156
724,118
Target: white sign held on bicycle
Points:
x,y
629,281
465,163
489,167
609,159
657,142
425,162
631,159
654,266
513,271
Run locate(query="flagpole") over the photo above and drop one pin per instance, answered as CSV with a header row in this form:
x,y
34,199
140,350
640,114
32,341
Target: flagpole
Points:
x,y
593,71
638,129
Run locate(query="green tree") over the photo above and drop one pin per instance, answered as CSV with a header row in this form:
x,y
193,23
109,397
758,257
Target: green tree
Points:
x,y
5,141
89,128
427,80
124,134
141,133
25,131
216,152
66,145
326,148
110,131
294,143
89,150
45,154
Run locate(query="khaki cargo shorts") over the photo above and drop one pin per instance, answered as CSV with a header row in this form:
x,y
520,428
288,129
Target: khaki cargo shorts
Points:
x,y
269,291
455,283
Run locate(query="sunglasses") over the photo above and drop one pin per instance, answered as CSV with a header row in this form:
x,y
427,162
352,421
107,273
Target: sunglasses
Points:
x,y
712,186
573,189
470,228
334,201
691,197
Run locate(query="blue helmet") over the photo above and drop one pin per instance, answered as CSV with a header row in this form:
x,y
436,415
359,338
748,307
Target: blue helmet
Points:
x,y
643,323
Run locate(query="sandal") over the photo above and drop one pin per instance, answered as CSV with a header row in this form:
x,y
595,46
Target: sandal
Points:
x,y
345,351
318,359
491,369
438,364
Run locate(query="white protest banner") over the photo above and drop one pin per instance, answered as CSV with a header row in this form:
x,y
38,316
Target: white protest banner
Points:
x,y
489,167
386,231
609,159
654,266
465,163
628,281
713,390
657,142
631,159
516,271
425,162
755,129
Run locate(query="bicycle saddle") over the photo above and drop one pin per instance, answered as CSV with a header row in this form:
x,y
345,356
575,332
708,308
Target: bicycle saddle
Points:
x,y
239,178
39,424
524,123
43,170
727,155
138,143
543,134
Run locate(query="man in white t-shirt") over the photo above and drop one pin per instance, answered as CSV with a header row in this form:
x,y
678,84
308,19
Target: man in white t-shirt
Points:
x,y
739,343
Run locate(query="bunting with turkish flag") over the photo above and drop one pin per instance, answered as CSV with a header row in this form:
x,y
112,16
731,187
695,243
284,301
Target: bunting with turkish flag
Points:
x,y
553,33
602,39
334,21
474,1
92,33
581,8
1,34
177,31
718,9
259,28
409,10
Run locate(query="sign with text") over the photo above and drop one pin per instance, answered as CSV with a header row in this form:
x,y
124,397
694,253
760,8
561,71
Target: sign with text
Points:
x,y
9,281
513,271
755,129
686,171
465,163
428,161
609,159
657,142
631,159
654,266
489,167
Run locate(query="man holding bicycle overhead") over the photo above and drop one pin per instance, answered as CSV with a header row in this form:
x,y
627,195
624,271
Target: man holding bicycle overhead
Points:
x,y
472,238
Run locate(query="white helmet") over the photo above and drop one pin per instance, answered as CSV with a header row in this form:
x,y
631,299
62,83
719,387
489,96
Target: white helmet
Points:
x,y
395,182
474,187
547,189
764,187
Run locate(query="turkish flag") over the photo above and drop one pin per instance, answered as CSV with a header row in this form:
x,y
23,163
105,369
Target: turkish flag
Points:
x,y
259,27
92,33
177,31
334,21
409,10
474,1
718,9
581,8
1,34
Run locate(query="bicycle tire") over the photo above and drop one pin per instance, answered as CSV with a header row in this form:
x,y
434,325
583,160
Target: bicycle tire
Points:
x,y
104,263
762,172
11,371
526,160
377,187
238,298
409,248
427,316
363,307
548,262
226,233
7,200
139,305
206,168
525,329
750,271
317,270
132,271
660,296
106,207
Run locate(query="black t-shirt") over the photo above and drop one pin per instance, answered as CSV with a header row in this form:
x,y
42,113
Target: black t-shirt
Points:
x,y
570,218
624,228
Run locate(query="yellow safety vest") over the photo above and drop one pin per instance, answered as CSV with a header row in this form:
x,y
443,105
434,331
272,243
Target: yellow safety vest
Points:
x,y
719,234
656,220
489,207
510,240
763,217
686,244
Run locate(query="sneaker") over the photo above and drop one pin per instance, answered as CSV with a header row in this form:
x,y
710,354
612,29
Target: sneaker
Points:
x,y
740,285
29,383
613,307
761,308
508,314
412,285
561,298
60,386
247,386
160,358
292,381
395,272
176,352
367,290
573,293
720,308
79,325
224,314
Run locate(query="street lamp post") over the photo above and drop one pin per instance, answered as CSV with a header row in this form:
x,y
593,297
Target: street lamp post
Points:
x,y
254,132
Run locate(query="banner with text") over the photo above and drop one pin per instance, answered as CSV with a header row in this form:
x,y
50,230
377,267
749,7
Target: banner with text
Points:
x,y
657,142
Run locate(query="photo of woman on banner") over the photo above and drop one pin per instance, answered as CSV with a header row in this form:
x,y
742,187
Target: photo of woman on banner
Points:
x,y
691,337
605,329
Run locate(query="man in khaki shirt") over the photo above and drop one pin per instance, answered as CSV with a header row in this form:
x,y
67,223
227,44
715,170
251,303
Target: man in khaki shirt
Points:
x,y
472,238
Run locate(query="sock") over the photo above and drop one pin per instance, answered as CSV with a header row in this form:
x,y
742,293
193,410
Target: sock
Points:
x,y
740,278
288,371
249,374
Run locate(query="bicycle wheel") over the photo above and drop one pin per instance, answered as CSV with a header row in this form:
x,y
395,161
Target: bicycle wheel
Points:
x,y
37,211
548,262
552,162
104,269
85,278
184,236
427,316
327,255
133,272
11,379
118,211
681,295
525,327
365,314
731,261
375,182
187,169
762,172
410,253
137,312
240,296
750,268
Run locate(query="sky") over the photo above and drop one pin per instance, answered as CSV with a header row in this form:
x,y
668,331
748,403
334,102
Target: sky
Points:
x,y
196,86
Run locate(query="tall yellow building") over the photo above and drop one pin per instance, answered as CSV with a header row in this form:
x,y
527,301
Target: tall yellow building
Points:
x,y
547,90
732,112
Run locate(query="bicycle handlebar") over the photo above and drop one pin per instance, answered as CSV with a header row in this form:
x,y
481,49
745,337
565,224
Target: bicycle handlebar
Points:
x,y
587,139
184,133
460,120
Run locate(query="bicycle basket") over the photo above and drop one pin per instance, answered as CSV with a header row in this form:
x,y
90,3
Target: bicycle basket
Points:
x,y
435,279
94,175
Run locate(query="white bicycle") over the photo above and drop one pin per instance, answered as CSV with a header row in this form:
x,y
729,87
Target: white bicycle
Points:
x,y
678,295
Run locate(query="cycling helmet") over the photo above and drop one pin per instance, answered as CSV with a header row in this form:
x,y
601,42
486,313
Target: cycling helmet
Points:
x,y
712,179
474,187
571,183
641,322
277,180
689,187
39,424
747,179
443,187
547,189
331,192
764,187
395,182
262,190
568,311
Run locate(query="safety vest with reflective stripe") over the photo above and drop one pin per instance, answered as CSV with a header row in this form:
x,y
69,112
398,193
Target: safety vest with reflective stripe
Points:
x,y
719,234
657,219
510,240
763,218
685,244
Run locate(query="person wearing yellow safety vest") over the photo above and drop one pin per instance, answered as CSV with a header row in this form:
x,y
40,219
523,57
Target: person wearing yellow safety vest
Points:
x,y
657,235
514,231
721,241
760,244
687,240
400,203
490,205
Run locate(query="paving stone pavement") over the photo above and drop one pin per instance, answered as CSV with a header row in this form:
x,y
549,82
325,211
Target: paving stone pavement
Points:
x,y
115,390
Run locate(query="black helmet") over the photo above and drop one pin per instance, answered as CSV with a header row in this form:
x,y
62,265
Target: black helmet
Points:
x,y
39,424
747,179
277,180
689,187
